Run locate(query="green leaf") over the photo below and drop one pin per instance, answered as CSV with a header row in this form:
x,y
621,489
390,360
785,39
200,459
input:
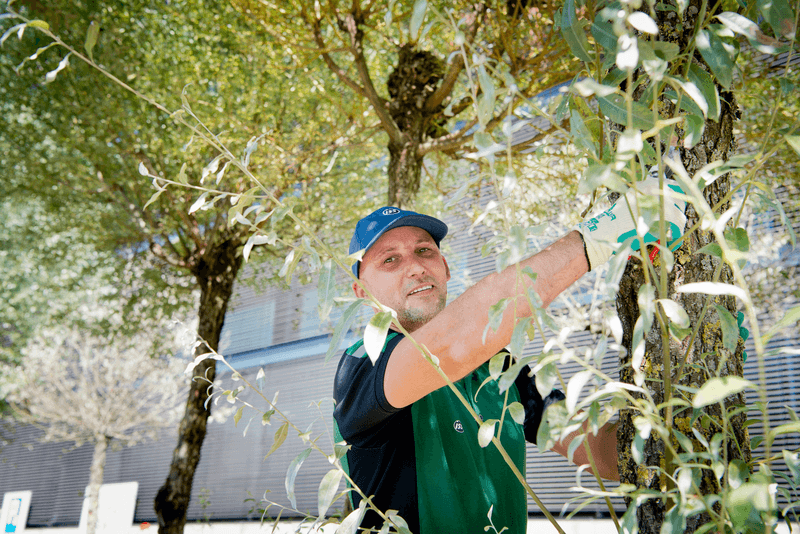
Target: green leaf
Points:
x,y
744,26
694,127
18,28
280,437
603,33
601,175
738,473
647,305
712,249
719,55
153,198
580,133
417,18
792,461
713,288
238,415
260,378
675,312
51,76
342,327
375,334
637,449
730,329
486,432
496,364
350,523
791,317
487,100
92,33
717,389
546,378
576,442
326,289
266,417
614,107
794,142
495,317
705,83
517,412
42,25
572,31
327,490
779,15
291,474
518,337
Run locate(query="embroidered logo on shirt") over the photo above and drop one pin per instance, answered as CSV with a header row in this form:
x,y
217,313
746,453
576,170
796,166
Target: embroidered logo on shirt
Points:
x,y
458,426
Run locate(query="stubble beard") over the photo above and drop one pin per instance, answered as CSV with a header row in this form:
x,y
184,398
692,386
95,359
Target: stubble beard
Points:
x,y
414,318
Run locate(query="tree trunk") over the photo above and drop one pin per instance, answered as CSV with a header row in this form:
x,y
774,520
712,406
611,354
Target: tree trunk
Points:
x,y
405,174
706,356
411,83
215,273
95,481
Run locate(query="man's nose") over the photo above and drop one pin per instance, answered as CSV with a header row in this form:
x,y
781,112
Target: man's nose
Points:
x,y
415,267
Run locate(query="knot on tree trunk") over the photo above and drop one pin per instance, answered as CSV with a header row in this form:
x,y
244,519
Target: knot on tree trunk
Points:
x,y
415,78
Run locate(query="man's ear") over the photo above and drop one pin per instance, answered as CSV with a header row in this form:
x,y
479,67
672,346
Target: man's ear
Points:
x,y
446,268
359,291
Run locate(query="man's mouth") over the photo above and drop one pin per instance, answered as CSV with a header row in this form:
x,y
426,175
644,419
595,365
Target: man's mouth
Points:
x,y
423,288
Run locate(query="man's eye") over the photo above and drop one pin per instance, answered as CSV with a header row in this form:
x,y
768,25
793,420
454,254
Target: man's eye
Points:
x,y
389,260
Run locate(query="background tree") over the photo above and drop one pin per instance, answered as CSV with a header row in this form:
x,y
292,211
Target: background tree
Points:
x,y
407,66
81,388
77,146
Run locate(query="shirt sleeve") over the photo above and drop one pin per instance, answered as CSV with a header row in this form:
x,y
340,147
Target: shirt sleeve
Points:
x,y
533,403
362,412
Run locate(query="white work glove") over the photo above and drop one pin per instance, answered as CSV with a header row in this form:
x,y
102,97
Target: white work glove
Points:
x,y
604,232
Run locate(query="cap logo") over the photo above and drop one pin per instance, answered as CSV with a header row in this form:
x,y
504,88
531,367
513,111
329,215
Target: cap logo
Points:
x,y
390,211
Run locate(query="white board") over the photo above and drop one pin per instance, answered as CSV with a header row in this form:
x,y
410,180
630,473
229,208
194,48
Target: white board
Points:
x,y
14,514
116,505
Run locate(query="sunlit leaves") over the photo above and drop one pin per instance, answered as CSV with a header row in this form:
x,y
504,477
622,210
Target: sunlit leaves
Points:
x,y
717,389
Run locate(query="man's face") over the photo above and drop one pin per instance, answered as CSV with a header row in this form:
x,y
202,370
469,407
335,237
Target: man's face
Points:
x,y
405,270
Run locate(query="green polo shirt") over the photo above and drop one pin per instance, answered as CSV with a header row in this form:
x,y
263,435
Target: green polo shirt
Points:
x,y
424,460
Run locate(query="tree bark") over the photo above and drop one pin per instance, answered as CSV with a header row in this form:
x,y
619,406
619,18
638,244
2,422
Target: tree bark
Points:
x,y
215,272
706,356
95,481
415,78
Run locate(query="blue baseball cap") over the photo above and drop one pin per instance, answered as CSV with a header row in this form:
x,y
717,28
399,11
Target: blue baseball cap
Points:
x,y
380,221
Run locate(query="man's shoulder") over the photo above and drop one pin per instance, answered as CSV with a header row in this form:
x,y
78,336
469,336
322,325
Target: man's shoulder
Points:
x,y
358,350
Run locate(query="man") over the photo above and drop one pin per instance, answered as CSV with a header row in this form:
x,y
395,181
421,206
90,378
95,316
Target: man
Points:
x,y
413,444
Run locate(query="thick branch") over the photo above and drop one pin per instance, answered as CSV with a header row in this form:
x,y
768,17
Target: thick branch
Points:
x,y
446,87
334,68
378,103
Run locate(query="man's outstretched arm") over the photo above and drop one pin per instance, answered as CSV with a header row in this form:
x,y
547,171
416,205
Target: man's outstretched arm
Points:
x,y
455,335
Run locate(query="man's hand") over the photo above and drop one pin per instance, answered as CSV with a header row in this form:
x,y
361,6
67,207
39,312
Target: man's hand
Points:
x,y
603,232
